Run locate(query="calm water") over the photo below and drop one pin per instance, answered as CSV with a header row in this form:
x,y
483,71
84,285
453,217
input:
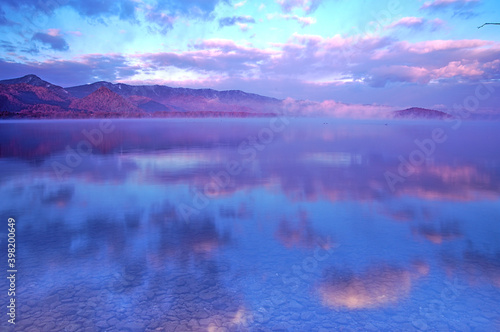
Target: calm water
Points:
x,y
252,225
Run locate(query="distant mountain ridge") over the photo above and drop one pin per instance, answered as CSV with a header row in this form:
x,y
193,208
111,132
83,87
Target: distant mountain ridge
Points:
x,y
31,97
184,99
34,80
105,100
420,113
153,91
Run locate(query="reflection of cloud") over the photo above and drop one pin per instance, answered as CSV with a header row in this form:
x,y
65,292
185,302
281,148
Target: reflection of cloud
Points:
x,y
446,182
302,236
378,286
455,174
405,214
170,161
60,197
479,268
198,239
309,162
437,234
243,211
338,159
448,194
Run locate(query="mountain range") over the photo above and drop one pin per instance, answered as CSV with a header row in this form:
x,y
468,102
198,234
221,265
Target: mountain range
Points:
x,y
31,97
421,113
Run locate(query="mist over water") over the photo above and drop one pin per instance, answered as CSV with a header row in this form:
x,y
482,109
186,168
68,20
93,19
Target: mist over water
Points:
x,y
276,224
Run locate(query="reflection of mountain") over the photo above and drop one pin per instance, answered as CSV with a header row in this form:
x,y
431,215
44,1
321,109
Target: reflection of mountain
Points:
x,y
330,162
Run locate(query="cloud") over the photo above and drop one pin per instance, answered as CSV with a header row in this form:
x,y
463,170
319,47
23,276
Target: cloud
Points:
x,y
377,62
191,8
7,46
416,23
243,27
462,8
54,40
303,21
308,6
164,13
229,21
76,33
3,20
433,61
442,45
163,23
408,22
304,66
240,4
440,4
319,63
123,9
214,55
81,70
381,76
336,109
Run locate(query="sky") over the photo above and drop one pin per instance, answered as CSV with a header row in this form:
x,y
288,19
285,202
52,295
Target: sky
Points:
x,y
399,53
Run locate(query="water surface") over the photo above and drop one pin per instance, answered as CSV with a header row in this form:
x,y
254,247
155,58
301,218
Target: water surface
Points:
x,y
253,225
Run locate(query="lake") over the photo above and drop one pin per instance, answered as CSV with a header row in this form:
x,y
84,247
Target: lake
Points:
x,y
274,224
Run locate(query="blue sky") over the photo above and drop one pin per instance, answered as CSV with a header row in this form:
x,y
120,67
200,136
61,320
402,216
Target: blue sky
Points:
x,y
398,53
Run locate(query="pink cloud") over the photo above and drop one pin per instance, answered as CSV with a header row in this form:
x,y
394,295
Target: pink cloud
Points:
x,y
303,21
53,32
76,33
336,109
446,3
214,55
307,6
407,22
307,39
416,23
459,68
443,45
240,4
380,76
